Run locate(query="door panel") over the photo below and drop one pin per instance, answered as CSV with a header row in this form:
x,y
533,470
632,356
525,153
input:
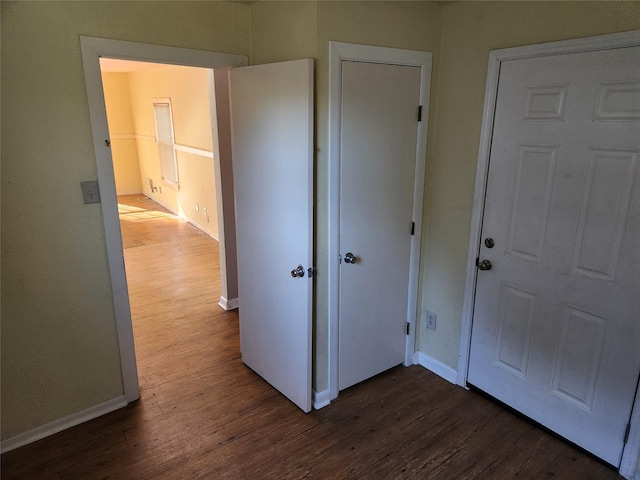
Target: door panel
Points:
x,y
272,119
556,326
378,158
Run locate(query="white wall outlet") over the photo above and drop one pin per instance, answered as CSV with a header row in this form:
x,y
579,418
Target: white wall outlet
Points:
x,y
197,207
431,320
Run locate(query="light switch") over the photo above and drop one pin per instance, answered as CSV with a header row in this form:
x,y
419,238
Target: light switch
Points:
x,y
90,192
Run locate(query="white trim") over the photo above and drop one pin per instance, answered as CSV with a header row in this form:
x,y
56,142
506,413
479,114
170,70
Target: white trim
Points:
x,y
631,451
132,136
131,192
630,462
56,426
180,148
92,49
122,136
148,138
199,226
169,184
321,399
193,150
338,52
230,304
435,366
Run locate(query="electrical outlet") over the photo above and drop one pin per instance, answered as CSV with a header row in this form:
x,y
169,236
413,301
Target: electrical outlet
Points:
x,y
197,207
431,320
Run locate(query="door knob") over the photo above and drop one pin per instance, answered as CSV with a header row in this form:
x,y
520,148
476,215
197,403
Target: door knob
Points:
x,y
298,271
350,258
485,265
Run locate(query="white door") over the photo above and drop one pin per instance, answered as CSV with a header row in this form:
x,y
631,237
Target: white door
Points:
x,y
378,160
272,120
556,328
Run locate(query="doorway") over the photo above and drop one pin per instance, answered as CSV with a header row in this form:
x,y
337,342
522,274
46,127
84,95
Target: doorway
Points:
x,y
554,251
396,63
378,166
92,50
160,131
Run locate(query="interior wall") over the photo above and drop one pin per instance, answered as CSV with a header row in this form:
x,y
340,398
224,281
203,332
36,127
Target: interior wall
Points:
x,y
59,346
124,150
469,31
188,89
283,30
60,350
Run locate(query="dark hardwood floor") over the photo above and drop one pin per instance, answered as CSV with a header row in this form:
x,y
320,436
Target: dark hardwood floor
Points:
x,y
204,415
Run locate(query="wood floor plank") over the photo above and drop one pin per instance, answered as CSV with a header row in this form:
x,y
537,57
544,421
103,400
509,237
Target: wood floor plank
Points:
x,y
204,415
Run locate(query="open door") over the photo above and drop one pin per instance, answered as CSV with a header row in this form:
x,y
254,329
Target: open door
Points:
x,y
272,120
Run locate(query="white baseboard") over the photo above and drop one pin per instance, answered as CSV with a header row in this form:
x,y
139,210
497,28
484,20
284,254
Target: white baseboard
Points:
x,y
62,424
437,367
199,226
321,399
230,304
130,192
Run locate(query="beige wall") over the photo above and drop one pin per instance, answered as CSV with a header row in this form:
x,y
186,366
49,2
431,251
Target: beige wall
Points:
x,y
283,31
188,89
469,31
124,150
59,350
129,101
59,346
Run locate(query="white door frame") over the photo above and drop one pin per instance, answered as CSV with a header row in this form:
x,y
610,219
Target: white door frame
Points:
x,y
338,52
496,57
92,49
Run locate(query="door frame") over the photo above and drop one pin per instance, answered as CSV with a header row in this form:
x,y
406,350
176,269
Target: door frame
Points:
x,y
339,51
92,49
631,451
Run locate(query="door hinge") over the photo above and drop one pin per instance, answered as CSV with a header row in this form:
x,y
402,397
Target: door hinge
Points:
x,y
408,327
626,433
419,113
413,228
